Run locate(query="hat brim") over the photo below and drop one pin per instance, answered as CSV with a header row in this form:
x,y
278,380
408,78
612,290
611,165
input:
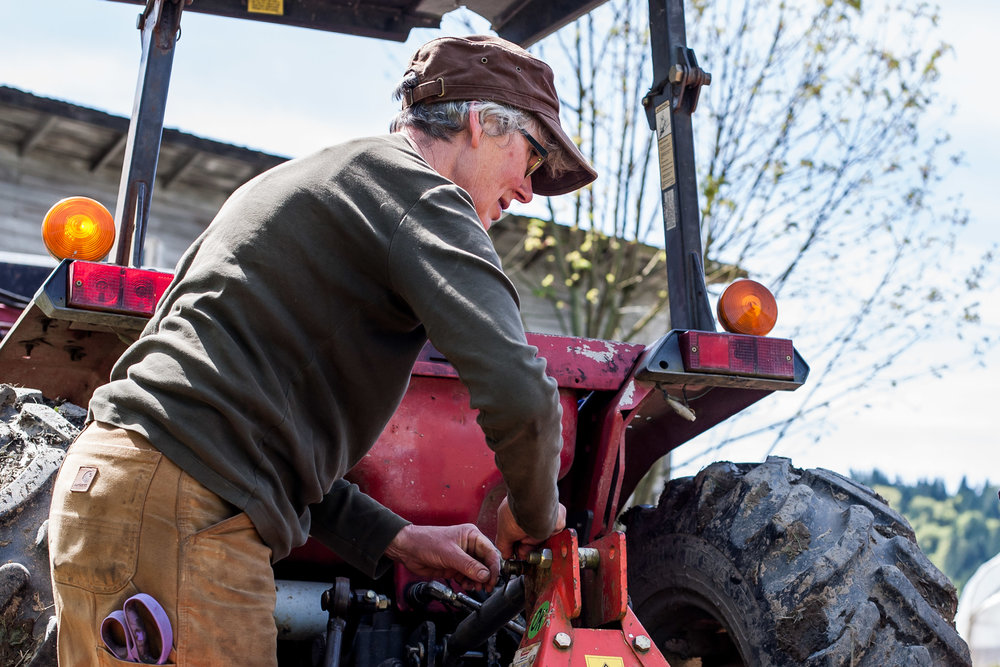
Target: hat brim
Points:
x,y
581,174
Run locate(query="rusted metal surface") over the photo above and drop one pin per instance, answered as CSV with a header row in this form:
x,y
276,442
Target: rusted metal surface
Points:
x,y
583,364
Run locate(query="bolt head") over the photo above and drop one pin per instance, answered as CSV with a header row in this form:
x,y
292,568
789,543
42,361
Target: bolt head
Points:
x,y
642,643
562,640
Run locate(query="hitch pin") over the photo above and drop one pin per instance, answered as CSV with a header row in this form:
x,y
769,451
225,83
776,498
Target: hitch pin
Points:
x,y
590,559
540,559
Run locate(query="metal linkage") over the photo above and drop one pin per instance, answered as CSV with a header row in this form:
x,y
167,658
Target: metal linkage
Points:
x,y
590,559
339,601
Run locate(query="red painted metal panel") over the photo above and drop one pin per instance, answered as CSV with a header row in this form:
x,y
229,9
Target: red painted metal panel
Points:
x,y
595,648
587,363
606,596
557,634
560,582
608,468
431,465
584,364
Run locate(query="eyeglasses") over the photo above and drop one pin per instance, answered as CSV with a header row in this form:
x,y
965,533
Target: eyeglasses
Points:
x,y
539,151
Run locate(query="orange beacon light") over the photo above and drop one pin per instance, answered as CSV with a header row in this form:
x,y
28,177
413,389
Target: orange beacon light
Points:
x,y
747,307
78,228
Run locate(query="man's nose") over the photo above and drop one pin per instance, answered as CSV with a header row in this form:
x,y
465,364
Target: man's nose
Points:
x,y
523,192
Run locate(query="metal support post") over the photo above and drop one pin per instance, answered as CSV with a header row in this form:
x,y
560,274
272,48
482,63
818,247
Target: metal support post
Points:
x,y
159,23
669,105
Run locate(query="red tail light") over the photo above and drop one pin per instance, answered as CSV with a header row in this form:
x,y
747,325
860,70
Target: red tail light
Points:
x,y
115,288
736,354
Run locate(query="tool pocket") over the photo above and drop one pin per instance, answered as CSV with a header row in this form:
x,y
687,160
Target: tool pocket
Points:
x,y
96,515
227,576
106,659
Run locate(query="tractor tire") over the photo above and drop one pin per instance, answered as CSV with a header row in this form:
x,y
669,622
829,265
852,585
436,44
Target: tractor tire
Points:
x,y
34,435
767,565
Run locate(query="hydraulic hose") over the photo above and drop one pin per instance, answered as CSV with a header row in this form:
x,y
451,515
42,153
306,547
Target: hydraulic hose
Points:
x,y
495,613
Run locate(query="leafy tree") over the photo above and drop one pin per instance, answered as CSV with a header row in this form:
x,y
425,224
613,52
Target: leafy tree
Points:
x,y
819,148
593,244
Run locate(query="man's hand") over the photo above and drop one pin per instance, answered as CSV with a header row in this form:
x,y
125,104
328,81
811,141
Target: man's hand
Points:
x,y
461,553
511,538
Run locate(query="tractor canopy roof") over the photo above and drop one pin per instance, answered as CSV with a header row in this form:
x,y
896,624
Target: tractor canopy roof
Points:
x,y
521,21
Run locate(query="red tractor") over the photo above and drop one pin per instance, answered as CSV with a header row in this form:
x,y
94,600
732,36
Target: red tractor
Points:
x,y
743,564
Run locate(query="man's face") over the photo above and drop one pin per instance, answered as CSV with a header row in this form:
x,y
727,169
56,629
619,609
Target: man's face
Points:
x,y
492,170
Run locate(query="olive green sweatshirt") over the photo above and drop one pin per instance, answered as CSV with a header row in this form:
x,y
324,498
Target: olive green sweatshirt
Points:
x,y
285,342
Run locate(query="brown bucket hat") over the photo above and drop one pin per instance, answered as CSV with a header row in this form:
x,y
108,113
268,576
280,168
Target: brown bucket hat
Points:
x,y
481,67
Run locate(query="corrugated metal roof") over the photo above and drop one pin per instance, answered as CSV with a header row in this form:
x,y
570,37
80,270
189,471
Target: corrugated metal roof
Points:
x,y
48,129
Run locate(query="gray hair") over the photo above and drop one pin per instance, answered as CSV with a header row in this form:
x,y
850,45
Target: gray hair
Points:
x,y
444,120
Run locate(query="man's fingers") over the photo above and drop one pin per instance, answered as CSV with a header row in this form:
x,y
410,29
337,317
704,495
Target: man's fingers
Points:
x,y
458,552
485,562
467,556
474,571
512,540
506,548
509,533
560,519
486,553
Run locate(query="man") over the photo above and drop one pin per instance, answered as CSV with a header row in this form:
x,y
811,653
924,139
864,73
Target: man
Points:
x,y
284,345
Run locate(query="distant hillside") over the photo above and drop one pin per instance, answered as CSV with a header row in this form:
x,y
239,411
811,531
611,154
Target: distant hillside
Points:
x,y
959,532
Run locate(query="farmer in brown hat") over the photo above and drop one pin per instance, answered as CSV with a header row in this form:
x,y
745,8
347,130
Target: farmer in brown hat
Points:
x,y
223,438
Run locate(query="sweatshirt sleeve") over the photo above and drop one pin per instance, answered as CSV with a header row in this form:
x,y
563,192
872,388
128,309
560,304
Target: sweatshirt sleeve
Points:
x,y
356,527
444,265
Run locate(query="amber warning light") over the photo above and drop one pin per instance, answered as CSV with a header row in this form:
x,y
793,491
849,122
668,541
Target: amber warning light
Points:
x,y
115,288
78,228
747,307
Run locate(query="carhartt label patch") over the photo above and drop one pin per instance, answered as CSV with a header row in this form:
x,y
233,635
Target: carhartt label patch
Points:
x,y
84,478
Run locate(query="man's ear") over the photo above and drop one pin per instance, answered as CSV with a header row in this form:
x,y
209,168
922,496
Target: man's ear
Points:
x,y
475,126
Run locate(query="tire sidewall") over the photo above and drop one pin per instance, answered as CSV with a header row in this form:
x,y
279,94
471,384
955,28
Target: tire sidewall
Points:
x,y
695,573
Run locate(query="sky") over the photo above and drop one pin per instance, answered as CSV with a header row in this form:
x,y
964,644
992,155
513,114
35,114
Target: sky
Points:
x,y
289,91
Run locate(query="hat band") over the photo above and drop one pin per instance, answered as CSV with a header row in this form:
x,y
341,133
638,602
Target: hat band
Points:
x,y
423,91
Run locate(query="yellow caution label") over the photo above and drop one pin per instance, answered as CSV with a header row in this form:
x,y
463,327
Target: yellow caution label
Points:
x,y
276,7
604,661
665,144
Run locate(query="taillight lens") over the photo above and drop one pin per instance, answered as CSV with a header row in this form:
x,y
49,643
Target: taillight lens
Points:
x,y
747,307
115,288
78,228
735,354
